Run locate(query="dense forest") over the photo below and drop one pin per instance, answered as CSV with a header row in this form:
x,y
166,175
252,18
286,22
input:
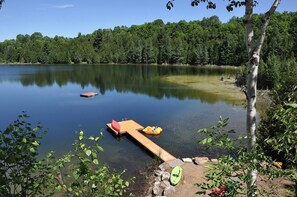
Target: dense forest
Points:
x,y
208,41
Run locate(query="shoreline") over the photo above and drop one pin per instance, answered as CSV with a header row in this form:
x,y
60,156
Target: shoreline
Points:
x,y
154,64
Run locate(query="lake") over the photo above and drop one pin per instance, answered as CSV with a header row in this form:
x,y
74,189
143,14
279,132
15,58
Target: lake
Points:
x,y
50,94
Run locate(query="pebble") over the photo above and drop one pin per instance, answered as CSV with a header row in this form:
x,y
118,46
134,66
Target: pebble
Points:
x,y
200,160
164,184
158,172
156,188
187,160
165,176
169,191
174,163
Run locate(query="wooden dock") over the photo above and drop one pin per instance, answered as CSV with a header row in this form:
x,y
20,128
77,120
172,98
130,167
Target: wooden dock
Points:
x,y
132,128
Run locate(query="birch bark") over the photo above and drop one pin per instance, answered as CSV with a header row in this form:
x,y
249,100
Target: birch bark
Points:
x,y
253,52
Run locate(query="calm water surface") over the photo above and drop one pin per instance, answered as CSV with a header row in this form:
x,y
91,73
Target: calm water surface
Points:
x,y
50,95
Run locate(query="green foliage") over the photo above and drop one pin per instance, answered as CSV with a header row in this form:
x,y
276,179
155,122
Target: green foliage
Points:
x,y
269,73
208,41
78,173
277,131
22,174
232,169
272,73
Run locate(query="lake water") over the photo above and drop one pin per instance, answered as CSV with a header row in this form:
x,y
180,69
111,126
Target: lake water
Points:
x,y
50,95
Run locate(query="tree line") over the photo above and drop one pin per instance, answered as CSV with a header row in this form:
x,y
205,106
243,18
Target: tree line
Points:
x,y
208,41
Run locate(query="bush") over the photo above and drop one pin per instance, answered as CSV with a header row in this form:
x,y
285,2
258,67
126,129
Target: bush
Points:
x,y
77,173
21,172
277,132
233,169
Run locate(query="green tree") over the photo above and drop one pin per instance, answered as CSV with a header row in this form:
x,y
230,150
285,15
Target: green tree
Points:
x,y
253,47
277,131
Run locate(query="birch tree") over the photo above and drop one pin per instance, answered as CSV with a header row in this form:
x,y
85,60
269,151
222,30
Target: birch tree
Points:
x,y
253,47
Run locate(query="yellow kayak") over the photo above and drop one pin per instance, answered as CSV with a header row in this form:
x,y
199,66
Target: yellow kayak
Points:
x,y
152,130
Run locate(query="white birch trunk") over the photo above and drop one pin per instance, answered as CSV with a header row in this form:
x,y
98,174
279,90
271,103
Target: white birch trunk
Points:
x,y
253,50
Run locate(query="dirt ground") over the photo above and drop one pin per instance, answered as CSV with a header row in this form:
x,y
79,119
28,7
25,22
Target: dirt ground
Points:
x,y
193,174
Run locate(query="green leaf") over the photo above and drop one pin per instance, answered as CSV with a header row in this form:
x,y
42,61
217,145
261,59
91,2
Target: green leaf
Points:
x,y
59,187
82,145
25,140
206,140
88,152
32,150
91,138
35,143
95,161
294,105
100,148
94,155
75,175
127,184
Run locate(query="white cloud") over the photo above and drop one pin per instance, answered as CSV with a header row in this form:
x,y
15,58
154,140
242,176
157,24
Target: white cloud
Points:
x,y
63,6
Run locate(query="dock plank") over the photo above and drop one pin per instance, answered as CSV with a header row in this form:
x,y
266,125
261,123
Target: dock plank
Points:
x,y
126,125
132,128
151,146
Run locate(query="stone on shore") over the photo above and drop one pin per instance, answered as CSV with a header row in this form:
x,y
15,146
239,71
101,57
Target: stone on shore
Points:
x,y
164,167
164,184
156,188
200,160
169,191
187,160
158,172
165,176
174,163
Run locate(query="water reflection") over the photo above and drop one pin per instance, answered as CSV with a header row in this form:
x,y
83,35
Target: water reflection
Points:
x,y
142,79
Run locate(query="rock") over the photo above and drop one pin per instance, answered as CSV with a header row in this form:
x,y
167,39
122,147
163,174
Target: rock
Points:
x,y
169,191
158,172
157,183
156,189
165,176
164,167
187,160
158,179
174,163
164,184
200,160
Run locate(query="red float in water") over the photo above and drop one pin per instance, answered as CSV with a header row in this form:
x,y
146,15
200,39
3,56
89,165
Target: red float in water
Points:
x,y
89,94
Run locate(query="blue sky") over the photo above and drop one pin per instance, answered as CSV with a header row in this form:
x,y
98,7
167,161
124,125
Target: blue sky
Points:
x,y
69,17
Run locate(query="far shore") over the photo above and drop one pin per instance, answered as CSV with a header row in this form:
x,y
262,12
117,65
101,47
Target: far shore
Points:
x,y
154,64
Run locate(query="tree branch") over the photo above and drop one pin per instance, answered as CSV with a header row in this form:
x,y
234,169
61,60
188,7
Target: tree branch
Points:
x,y
249,26
61,182
1,1
265,22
